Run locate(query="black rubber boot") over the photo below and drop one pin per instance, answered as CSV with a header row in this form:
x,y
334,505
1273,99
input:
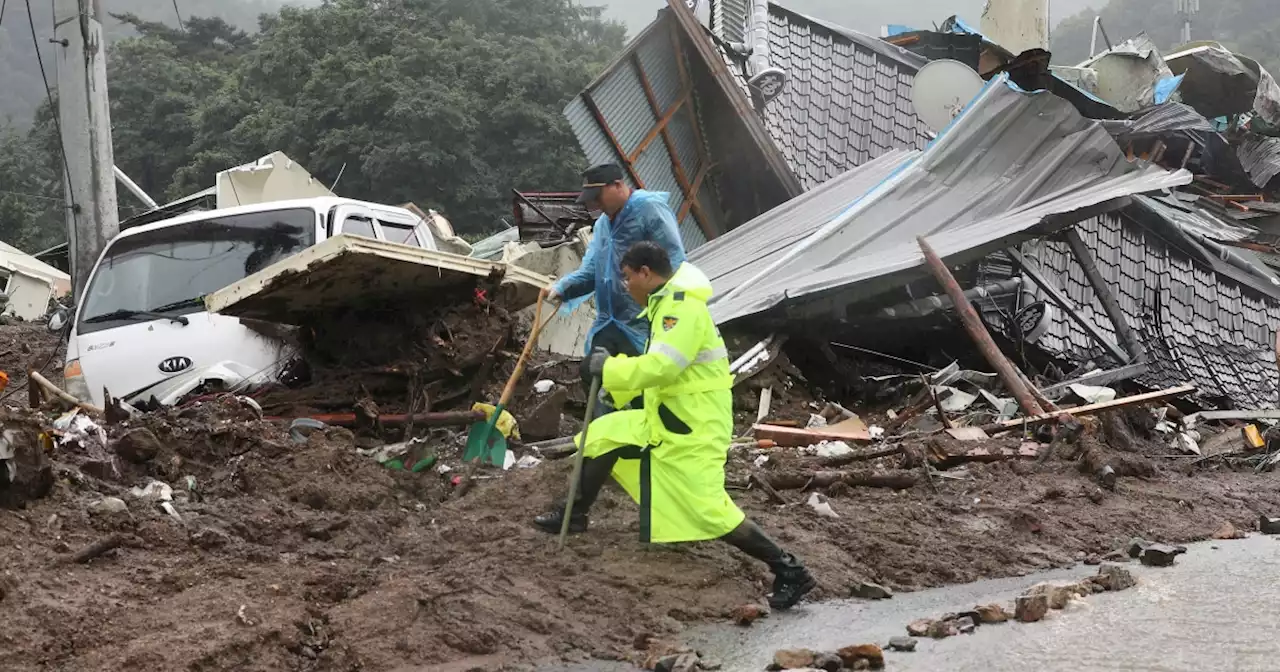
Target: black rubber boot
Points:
x,y
595,473
791,581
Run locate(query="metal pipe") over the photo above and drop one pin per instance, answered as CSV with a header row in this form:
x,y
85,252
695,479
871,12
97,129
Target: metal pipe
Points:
x,y
1128,336
134,188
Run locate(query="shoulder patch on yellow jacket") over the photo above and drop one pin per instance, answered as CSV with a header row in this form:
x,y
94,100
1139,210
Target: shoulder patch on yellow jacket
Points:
x,y
669,322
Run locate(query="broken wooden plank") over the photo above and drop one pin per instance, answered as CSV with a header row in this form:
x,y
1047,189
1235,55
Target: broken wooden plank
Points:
x,y
794,436
1094,408
967,433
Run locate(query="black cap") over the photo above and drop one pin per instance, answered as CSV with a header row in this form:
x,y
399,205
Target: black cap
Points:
x,y
596,177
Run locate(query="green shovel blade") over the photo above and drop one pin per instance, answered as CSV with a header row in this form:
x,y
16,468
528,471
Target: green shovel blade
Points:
x,y
485,442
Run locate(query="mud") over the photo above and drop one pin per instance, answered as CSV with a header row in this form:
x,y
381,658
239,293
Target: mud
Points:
x,y
311,557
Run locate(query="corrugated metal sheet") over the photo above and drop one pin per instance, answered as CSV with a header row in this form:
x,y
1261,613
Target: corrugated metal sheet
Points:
x,y
734,258
1260,156
1161,119
619,93
848,100
1008,162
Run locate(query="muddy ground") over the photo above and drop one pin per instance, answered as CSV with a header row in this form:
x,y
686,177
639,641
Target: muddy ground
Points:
x,y
309,556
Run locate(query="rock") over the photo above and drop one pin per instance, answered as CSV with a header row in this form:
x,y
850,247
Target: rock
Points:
x,y
991,613
871,591
1228,531
828,661
965,624
1081,555
108,506
710,664
942,629
210,538
642,640
1093,560
1031,608
792,659
543,422
870,653
103,470
1268,525
906,644
138,446
684,662
1058,594
920,628
1115,578
1135,546
748,613
1116,556
661,649
1159,555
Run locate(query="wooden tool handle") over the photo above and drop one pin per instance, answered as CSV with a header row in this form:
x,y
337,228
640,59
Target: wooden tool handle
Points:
x,y
524,354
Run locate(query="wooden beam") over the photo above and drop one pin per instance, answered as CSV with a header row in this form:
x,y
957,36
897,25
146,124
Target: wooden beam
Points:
x,y
978,332
1094,408
661,126
1101,288
613,140
741,104
697,186
677,166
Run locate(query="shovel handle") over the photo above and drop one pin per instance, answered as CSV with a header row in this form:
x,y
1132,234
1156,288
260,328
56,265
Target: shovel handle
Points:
x,y
577,460
538,324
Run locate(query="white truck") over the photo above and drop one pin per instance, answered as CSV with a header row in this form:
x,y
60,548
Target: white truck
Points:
x,y
141,330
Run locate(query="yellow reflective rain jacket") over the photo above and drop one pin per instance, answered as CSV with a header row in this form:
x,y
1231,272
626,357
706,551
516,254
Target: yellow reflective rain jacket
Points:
x,y
674,449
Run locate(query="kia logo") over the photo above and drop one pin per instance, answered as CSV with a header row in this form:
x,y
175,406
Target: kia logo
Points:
x,y
175,365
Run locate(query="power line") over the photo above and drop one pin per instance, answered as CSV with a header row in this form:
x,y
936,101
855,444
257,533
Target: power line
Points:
x,y
53,109
179,15
26,195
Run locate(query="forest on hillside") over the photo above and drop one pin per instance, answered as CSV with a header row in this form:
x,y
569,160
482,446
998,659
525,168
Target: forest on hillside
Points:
x,y
446,103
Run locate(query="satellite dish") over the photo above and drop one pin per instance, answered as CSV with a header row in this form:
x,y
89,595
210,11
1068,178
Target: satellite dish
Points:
x,y
942,89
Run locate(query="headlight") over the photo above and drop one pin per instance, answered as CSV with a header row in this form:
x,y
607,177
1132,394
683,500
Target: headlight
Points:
x,y
73,380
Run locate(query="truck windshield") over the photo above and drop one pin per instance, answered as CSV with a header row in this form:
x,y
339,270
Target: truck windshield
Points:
x,y
169,270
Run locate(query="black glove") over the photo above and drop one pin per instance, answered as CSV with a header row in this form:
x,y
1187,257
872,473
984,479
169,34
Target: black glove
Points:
x,y
595,364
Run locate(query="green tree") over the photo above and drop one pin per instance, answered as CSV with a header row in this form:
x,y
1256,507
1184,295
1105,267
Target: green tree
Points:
x,y
448,103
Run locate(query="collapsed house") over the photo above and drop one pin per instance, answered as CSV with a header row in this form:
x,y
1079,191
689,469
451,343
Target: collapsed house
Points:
x,y
803,173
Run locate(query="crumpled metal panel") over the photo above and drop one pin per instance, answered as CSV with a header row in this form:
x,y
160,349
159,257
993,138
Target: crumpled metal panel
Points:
x,y
732,259
1008,162
1198,325
1159,120
1260,157
1128,74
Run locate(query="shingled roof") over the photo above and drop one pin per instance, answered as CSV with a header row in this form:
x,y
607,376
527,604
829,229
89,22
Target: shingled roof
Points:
x,y
848,99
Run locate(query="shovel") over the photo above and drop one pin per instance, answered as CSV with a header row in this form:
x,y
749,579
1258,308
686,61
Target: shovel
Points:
x,y
577,459
484,442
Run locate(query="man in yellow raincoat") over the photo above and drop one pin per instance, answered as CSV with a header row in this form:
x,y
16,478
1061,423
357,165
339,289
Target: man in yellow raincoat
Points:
x,y
670,454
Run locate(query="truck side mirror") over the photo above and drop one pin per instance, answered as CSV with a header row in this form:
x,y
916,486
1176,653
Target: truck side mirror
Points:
x,y
58,320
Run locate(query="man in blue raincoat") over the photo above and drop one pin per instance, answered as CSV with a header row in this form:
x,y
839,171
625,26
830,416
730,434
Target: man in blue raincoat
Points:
x,y
629,216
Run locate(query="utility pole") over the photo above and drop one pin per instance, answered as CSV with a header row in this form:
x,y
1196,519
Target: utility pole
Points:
x,y
85,117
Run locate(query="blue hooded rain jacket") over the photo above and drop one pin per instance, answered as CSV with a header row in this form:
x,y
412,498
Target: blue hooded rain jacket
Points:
x,y
646,216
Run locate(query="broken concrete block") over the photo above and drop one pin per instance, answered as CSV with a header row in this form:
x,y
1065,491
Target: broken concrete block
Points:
x,y
1159,555
1115,578
906,644
1268,525
872,654
991,613
1031,608
793,659
871,591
